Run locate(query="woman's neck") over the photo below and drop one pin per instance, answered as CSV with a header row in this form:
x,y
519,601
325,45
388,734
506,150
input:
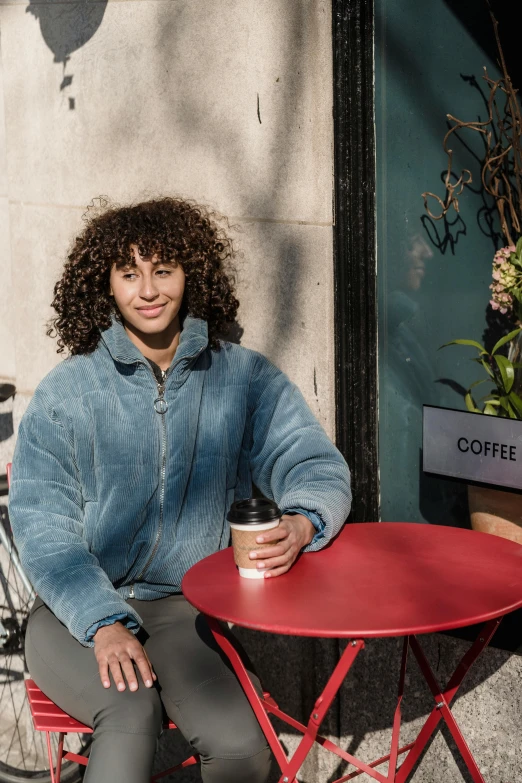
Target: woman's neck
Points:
x,y
159,348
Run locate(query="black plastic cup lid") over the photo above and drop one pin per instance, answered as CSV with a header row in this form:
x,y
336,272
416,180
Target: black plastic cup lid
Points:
x,y
253,511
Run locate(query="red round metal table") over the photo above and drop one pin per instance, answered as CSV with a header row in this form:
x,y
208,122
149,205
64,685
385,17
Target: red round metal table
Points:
x,y
374,580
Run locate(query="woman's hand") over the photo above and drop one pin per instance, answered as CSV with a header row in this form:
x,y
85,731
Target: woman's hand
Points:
x,y
115,649
292,534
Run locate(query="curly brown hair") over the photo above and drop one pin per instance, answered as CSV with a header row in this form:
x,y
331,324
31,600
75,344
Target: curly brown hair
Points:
x,y
177,231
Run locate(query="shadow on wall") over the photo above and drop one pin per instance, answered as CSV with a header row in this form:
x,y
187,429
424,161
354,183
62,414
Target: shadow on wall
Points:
x,y
7,392
6,425
474,17
212,131
66,27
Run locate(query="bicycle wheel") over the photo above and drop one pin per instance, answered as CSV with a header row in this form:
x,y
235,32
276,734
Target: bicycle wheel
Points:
x,y
23,751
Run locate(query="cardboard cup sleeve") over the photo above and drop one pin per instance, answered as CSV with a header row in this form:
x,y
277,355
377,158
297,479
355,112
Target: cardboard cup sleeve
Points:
x,y
244,541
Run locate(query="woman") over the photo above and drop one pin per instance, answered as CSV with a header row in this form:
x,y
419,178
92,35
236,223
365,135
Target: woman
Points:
x,y
127,460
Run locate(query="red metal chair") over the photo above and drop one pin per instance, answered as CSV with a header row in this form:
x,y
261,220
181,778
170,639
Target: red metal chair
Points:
x,y
50,719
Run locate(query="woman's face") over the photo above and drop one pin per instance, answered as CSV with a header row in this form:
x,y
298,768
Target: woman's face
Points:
x,y
149,294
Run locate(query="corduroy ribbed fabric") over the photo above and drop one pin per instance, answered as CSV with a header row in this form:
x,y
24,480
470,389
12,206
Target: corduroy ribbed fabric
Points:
x,y
88,486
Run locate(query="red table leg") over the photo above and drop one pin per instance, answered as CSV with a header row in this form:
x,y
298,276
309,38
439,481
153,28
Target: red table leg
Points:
x,y
290,767
394,752
262,706
443,700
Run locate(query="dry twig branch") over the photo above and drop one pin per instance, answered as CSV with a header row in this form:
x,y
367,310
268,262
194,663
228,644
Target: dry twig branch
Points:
x,y
502,167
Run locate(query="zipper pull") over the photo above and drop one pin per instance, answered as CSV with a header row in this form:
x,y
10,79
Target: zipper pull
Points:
x,y
131,594
160,403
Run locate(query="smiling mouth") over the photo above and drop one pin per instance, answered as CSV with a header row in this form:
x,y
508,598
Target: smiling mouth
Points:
x,y
151,310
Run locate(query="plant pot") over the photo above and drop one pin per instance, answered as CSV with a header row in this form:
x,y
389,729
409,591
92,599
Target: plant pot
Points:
x,y
496,511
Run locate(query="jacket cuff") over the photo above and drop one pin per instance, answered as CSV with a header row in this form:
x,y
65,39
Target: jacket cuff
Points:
x,y
129,622
316,521
83,627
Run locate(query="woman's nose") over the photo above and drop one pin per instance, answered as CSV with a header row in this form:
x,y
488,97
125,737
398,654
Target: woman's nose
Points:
x,y
148,289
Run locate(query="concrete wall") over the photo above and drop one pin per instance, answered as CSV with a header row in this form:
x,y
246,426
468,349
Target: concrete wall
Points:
x,y
228,102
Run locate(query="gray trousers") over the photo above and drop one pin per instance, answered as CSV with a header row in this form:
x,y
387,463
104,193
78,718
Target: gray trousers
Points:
x,y
196,688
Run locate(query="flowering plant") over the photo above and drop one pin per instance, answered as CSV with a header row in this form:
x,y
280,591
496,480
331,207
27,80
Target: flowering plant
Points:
x,y
506,289
507,280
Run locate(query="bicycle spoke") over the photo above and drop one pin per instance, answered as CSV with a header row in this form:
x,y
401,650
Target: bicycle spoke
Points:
x,y
14,581
17,725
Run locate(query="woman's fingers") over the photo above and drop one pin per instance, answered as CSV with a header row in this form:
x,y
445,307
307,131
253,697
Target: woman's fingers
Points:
x,y
103,668
296,527
277,571
279,558
144,668
275,534
127,668
117,676
285,543
270,551
122,669
275,566
154,677
274,562
117,649
282,535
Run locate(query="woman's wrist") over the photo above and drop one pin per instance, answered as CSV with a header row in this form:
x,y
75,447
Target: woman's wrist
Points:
x,y
104,629
307,530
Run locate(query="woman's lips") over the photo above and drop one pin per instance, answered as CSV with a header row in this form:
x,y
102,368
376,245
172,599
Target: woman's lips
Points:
x,y
150,312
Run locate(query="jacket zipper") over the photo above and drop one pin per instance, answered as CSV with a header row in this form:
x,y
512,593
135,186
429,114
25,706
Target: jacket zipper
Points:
x,y
161,407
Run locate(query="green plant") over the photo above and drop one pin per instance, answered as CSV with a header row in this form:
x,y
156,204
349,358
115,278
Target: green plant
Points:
x,y
507,297
502,400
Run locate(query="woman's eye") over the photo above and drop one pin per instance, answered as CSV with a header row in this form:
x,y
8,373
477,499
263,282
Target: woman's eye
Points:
x,y
163,272
129,276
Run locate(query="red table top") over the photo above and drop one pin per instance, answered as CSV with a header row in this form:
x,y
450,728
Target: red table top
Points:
x,y
388,579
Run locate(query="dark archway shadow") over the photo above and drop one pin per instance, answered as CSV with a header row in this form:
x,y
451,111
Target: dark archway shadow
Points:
x,y
475,19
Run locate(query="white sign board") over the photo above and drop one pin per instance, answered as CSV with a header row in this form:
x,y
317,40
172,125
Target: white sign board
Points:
x,y
472,446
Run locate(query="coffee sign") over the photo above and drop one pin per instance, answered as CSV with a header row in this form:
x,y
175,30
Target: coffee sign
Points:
x,y
472,447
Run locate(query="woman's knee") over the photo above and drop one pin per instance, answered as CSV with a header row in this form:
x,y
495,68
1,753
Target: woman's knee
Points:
x,y
220,724
138,712
254,769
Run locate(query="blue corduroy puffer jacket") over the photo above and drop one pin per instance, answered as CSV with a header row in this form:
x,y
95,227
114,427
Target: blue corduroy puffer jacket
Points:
x,y
119,486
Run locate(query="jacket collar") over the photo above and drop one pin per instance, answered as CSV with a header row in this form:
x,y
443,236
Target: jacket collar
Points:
x,y
193,340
